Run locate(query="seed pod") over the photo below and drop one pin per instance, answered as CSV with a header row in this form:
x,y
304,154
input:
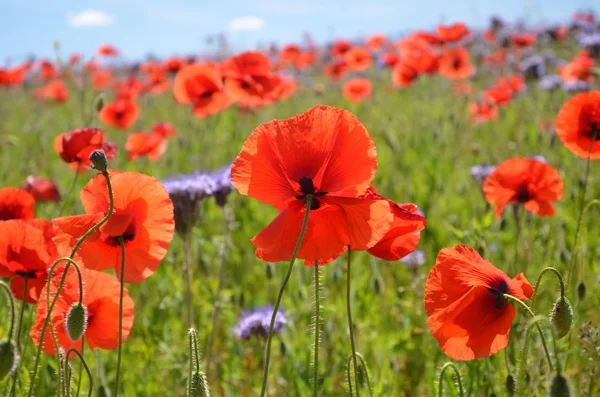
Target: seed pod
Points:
x,y
76,322
561,317
560,387
9,358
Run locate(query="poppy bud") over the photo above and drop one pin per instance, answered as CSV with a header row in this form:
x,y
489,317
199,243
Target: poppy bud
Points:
x,y
376,285
581,291
561,317
99,103
511,385
560,387
199,386
9,358
269,270
76,322
98,158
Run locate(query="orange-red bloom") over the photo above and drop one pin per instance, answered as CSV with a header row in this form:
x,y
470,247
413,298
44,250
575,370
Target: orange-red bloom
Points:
x,y
76,146
164,128
201,85
527,181
405,231
43,189
100,298
13,76
24,253
340,47
482,111
143,218
249,79
521,40
335,70
101,79
54,91
327,153
456,64
107,50
358,59
121,113
47,70
150,144
452,32
375,42
403,74
357,89
16,203
466,310
578,124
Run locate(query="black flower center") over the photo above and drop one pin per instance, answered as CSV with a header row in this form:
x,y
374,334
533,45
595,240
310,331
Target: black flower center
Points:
x,y
308,187
32,274
498,291
523,195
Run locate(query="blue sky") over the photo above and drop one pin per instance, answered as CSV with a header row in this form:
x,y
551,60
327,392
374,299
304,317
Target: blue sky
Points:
x,y
138,27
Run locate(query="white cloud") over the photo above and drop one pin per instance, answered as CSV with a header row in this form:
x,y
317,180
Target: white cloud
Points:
x,y
246,24
89,18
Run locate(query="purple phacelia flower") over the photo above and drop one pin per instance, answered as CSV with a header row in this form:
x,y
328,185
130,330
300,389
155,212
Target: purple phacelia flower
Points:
x,y
533,67
414,259
256,322
551,82
480,172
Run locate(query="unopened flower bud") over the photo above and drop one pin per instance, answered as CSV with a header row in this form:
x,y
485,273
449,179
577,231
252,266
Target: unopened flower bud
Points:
x,y
99,103
199,386
581,291
9,358
561,317
511,385
76,322
560,387
99,160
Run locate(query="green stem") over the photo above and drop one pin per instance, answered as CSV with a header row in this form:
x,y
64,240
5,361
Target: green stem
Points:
x,y
67,199
539,279
217,298
15,376
121,292
317,329
280,295
190,370
350,328
87,370
81,364
62,280
363,364
461,390
189,278
11,302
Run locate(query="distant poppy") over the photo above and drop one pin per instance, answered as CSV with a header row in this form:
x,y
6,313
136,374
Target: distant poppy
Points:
x,y
24,254
430,38
454,32
143,217
173,64
456,64
337,165
101,79
55,91
340,47
157,83
579,69
358,59
201,85
413,42
375,42
404,234
43,189
578,124
335,70
13,76
403,75
101,299
482,111
527,181
305,59
499,94
75,147
122,112
466,310
164,128
130,87
47,70
357,89
74,59
389,59
150,144
16,203
423,61
289,53
107,50
462,87
515,83
249,79
521,40
91,66
497,57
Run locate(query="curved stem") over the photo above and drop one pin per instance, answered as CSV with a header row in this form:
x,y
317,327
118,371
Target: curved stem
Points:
x,y
367,379
461,390
11,303
64,276
350,328
539,279
87,370
217,299
532,314
121,291
317,329
280,295
189,278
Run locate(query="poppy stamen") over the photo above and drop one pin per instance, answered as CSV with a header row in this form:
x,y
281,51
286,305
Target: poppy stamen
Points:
x,y
523,195
498,292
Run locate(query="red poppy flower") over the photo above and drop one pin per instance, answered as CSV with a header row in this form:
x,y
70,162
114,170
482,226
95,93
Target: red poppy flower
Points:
x,y
325,152
375,42
462,87
578,124
91,67
202,86
430,38
248,79
526,181
157,83
580,68
143,217
340,47
74,59
455,64
500,94
452,32
121,113
403,75
305,59
43,189
55,91
16,203
164,128
423,61
129,88
47,70
76,146
289,53
404,234
24,253
357,90
358,59
515,83
389,59
14,76
521,40
173,64
335,70
482,111
496,58
150,144
466,311
100,298
101,79
107,50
